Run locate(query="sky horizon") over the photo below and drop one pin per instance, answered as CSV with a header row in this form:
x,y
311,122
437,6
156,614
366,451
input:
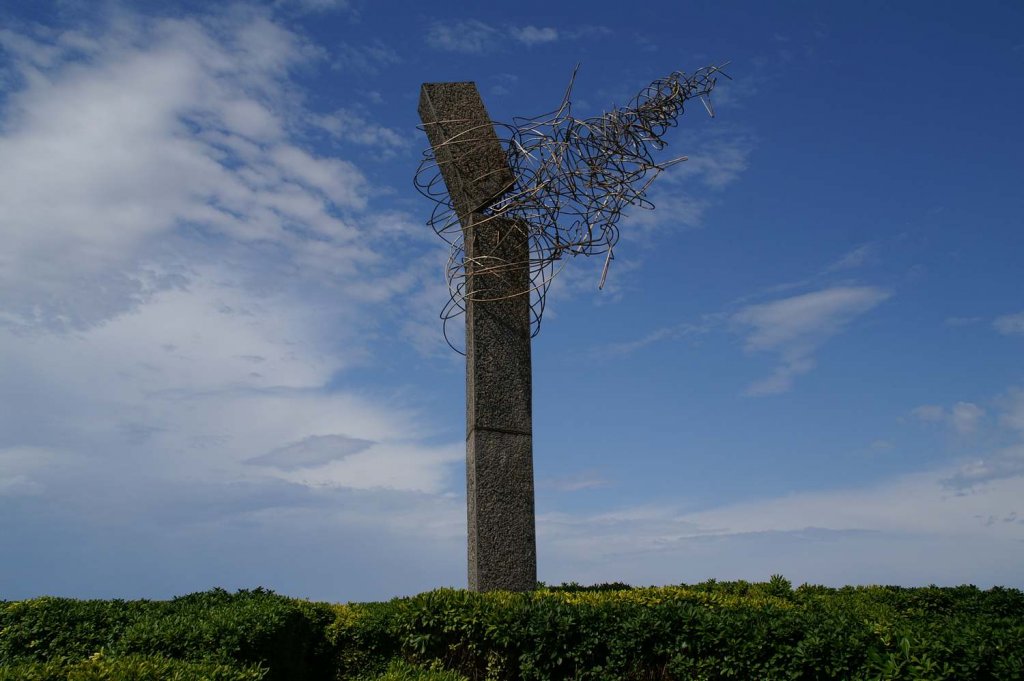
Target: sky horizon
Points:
x,y
221,361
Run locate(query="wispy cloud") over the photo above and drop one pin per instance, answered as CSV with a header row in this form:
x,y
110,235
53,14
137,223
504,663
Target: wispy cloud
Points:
x,y
1004,463
681,331
1010,324
468,36
532,35
966,416
313,6
1011,409
351,126
838,537
715,163
472,36
795,327
368,59
1001,462
858,257
684,193
963,417
929,412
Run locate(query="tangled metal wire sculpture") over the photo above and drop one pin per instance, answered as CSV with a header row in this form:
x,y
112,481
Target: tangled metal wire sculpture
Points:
x,y
573,179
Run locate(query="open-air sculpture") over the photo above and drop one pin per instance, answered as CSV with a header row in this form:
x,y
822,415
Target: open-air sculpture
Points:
x,y
511,207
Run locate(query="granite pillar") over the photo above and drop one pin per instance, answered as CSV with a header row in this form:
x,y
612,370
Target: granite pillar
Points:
x,y
502,549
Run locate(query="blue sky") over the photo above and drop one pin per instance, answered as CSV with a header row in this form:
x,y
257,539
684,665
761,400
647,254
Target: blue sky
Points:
x,y
221,362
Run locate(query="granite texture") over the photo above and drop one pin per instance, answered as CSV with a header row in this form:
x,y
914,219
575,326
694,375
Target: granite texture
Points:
x,y
498,363
467,150
502,546
502,539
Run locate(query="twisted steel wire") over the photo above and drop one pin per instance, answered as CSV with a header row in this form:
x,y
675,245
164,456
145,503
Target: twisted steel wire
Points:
x,y
573,179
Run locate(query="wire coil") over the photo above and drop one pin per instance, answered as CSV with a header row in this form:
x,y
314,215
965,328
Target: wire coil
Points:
x,y
573,179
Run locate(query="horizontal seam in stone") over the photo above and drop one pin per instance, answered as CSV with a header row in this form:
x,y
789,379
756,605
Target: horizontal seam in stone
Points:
x,y
497,430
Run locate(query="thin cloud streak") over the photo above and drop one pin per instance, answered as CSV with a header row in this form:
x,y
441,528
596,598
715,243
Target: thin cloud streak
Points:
x,y
856,258
532,35
794,328
963,417
834,533
466,36
1010,324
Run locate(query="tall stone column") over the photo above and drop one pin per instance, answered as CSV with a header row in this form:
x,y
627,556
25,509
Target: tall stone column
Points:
x,y
502,547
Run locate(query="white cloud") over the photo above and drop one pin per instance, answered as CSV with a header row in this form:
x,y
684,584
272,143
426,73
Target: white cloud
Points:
x,y
858,257
401,466
1002,464
736,92
200,385
677,204
1011,406
468,36
929,412
717,162
313,6
1010,324
369,59
795,327
333,178
672,210
181,279
805,319
963,417
676,332
532,35
837,537
167,126
351,126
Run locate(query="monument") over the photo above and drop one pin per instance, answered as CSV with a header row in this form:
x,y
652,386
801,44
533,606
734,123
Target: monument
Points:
x,y
511,207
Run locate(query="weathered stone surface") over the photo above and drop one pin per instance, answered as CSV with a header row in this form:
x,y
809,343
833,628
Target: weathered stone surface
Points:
x,y
502,541
498,363
502,547
465,145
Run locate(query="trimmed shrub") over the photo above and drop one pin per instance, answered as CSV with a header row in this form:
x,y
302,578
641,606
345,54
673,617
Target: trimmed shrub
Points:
x,y
131,668
714,630
731,630
364,638
254,627
47,628
400,670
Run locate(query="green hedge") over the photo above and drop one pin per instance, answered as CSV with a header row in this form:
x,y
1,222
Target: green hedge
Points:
x,y
130,668
400,670
733,630
728,630
257,627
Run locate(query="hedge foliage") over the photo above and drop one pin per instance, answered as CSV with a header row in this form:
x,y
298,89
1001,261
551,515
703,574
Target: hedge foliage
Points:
x,y
132,667
283,635
727,630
